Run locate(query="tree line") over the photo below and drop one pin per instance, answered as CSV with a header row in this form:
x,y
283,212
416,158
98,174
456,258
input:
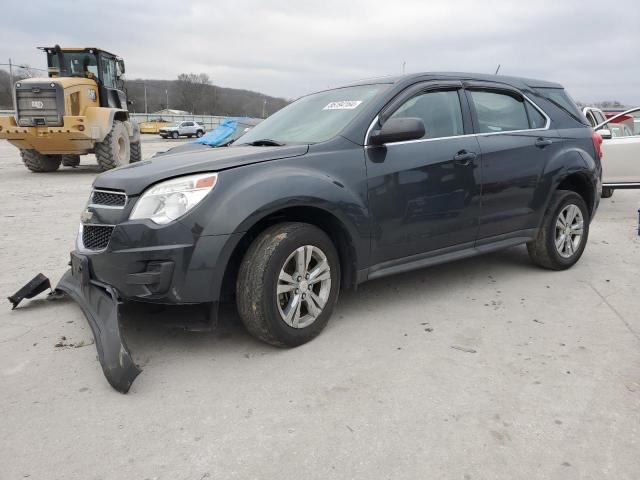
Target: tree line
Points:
x,y
192,92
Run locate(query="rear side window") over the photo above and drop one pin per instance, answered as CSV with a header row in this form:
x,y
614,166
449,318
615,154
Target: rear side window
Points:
x,y
440,112
499,112
561,98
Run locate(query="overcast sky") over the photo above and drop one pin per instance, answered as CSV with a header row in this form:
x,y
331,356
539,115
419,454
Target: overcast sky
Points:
x,y
288,48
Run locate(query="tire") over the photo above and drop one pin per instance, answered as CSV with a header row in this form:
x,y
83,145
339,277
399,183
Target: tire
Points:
x,y
163,136
260,305
175,135
543,250
39,163
135,152
70,160
114,151
607,192
199,133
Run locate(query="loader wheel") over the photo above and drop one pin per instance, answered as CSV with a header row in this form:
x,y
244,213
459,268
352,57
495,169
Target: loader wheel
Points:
x,y
114,150
136,152
70,160
38,163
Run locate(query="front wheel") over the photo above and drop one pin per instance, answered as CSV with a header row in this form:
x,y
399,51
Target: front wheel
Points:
x,y
175,135
199,133
563,235
114,151
288,284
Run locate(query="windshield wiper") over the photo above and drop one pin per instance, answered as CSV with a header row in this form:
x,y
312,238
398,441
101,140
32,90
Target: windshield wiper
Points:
x,y
264,142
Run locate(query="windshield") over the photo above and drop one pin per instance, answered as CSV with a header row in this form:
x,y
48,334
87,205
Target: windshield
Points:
x,y
77,64
314,118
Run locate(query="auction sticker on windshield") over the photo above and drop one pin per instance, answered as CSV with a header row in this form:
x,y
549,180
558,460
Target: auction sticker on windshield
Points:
x,y
343,105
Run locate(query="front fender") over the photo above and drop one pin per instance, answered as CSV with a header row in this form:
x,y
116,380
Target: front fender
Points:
x,y
248,195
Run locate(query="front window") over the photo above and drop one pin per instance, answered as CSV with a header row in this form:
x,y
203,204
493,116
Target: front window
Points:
x,y
440,112
314,118
75,64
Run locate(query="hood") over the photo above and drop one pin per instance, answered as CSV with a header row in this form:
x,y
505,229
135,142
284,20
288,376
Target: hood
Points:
x,y
190,158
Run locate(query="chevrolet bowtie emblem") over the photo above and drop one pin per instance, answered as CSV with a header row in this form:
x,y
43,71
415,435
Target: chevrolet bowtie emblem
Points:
x,y
86,216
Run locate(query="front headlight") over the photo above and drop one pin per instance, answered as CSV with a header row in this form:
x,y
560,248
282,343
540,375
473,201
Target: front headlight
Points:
x,y
167,201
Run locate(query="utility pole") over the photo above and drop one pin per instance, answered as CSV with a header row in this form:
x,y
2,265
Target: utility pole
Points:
x,y
404,64
264,108
497,69
166,91
145,98
11,73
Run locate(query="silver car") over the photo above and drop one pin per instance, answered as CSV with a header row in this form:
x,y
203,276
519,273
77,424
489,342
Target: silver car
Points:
x,y
183,129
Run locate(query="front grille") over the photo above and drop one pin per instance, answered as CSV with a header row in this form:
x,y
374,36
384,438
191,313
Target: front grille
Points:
x,y
96,237
39,105
108,199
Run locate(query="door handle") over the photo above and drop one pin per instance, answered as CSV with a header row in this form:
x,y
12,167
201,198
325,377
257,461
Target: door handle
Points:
x,y
543,142
464,158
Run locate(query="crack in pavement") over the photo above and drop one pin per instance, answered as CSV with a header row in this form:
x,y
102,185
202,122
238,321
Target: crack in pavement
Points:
x,y
618,314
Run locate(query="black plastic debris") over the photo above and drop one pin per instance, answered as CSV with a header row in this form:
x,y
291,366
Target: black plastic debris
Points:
x,y
101,307
36,286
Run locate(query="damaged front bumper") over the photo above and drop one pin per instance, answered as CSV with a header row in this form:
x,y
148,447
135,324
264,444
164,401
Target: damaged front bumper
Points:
x,y
100,304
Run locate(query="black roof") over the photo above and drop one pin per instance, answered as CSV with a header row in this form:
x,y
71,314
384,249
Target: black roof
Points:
x,y
409,78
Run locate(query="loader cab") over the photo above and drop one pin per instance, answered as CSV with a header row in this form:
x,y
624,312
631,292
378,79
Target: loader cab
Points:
x,y
103,67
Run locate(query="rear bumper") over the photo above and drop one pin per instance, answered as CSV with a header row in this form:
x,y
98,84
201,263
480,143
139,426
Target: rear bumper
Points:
x,y
74,136
100,305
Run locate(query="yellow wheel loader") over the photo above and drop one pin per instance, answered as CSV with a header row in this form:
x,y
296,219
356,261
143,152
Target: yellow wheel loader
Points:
x,y
80,108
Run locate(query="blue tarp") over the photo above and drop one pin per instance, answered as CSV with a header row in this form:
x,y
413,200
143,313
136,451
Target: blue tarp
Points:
x,y
221,135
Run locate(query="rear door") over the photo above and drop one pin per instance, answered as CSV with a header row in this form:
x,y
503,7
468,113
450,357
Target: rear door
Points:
x,y
424,194
516,142
621,154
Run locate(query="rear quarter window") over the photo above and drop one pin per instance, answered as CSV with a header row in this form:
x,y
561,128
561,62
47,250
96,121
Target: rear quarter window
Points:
x,y
561,99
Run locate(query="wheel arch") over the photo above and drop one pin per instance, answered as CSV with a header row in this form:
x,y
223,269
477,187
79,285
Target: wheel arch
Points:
x,y
325,220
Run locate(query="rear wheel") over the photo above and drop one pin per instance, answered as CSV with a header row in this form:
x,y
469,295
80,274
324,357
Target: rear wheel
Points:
x,y
39,163
199,133
70,160
563,235
288,284
136,152
114,150
607,192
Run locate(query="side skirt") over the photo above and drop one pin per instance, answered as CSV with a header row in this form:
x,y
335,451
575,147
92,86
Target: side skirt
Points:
x,y
449,254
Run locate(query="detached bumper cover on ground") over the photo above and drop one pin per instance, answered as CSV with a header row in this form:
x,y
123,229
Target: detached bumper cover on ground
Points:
x,y
100,304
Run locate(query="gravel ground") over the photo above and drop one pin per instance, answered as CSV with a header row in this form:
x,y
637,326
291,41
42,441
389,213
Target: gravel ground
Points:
x,y
487,368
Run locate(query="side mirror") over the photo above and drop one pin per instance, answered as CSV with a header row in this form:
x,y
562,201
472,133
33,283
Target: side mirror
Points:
x,y
605,133
398,130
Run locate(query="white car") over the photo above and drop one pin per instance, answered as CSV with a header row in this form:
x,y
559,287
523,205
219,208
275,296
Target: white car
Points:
x,y
183,129
620,151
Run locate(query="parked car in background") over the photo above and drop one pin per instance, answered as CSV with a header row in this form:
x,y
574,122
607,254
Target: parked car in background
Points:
x,y
183,129
594,115
621,151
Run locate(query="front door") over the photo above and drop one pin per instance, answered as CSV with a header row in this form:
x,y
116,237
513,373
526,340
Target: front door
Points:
x,y
424,194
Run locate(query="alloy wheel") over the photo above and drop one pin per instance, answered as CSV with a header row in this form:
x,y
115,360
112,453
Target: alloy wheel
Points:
x,y
569,231
304,285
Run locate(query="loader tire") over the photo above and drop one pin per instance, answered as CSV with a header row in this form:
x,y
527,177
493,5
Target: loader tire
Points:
x,y
115,150
136,152
39,163
70,160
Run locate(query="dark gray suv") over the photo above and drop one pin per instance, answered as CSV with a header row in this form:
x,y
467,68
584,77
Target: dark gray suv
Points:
x,y
340,187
